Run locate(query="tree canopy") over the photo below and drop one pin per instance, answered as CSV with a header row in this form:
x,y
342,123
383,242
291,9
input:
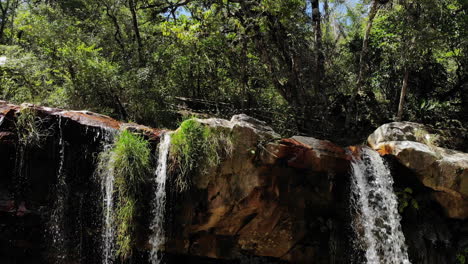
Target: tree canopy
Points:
x,y
330,69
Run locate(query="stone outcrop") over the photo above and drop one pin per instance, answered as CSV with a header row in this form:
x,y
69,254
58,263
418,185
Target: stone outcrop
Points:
x,y
443,170
272,197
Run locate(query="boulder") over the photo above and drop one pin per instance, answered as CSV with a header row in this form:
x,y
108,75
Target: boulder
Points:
x,y
396,131
272,200
263,199
443,170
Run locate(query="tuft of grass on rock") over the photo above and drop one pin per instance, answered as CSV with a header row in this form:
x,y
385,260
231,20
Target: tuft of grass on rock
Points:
x,y
30,128
129,160
195,146
423,136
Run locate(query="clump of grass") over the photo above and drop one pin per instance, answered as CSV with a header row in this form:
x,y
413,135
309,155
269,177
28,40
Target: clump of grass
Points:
x,y
130,162
194,147
30,128
423,136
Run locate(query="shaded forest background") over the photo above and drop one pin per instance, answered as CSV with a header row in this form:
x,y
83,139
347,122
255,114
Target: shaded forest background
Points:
x,y
330,69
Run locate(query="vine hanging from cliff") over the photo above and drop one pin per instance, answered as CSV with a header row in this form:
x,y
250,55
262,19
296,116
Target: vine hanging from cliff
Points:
x,y
130,161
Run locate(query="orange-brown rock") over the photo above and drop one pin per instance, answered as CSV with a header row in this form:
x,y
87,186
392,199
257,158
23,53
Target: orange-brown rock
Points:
x,y
84,118
308,153
270,198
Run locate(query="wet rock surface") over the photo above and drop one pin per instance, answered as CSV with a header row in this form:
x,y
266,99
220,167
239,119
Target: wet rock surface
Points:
x,y
431,185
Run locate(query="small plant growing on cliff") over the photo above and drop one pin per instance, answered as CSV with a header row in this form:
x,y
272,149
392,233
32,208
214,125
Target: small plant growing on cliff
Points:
x,y
423,136
30,128
462,256
405,198
195,146
130,160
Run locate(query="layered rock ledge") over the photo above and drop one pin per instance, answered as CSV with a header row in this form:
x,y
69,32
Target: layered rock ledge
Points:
x,y
443,170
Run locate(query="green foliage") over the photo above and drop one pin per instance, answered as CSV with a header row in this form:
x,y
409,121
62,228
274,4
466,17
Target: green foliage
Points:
x,y
30,128
131,166
261,58
26,78
195,147
405,199
129,160
462,256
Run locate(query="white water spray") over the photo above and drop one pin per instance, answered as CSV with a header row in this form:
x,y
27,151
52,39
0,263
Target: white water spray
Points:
x,y
109,230
105,171
157,239
377,223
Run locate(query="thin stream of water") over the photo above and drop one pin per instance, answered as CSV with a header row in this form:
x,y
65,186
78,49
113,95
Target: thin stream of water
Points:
x,y
58,215
105,171
157,239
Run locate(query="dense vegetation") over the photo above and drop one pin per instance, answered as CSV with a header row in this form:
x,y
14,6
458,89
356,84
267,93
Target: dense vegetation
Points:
x,y
330,68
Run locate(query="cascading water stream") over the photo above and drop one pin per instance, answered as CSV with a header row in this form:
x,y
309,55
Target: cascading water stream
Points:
x,y
108,235
58,215
377,222
158,237
105,172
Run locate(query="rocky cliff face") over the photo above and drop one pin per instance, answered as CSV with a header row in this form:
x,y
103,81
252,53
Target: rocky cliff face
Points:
x,y
279,198
271,200
443,170
431,182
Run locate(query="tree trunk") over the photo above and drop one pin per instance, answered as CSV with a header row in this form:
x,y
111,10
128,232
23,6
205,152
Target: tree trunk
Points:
x,y
401,105
365,44
326,18
117,35
4,18
319,59
132,6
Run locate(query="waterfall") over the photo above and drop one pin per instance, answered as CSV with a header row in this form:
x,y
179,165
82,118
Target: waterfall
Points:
x,y
377,222
57,220
158,237
105,172
107,182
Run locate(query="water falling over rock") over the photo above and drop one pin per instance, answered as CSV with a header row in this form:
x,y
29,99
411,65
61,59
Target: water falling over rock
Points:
x,y
158,237
106,172
57,220
377,222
